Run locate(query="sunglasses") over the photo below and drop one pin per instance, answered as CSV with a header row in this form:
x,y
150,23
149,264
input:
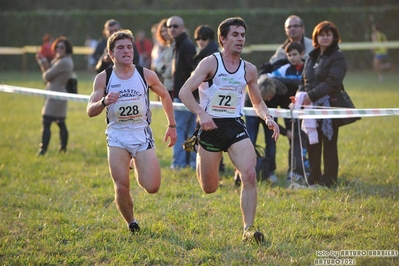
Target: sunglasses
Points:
x,y
60,47
175,26
201,38
294,26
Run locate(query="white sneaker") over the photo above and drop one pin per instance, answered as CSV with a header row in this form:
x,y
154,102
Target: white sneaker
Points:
x,y
296,178
272,178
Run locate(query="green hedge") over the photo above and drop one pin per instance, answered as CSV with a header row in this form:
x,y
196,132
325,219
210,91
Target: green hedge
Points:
x,y
264,26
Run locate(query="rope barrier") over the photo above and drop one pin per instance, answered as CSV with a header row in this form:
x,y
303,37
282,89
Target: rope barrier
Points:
x,y
276,112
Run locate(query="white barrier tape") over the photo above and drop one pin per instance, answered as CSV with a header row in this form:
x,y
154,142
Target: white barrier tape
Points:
x,y
284,113
45,93
343,113
326,113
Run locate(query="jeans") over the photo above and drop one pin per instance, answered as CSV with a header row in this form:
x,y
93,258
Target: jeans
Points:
x,y
185,127
253,123
300,154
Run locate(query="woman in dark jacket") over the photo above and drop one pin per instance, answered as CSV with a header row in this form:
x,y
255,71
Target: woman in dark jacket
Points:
x,y
323,74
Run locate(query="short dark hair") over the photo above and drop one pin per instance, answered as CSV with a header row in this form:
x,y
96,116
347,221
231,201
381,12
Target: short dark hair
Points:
x,y
204,31
63,39
325,26
294,46
111,22
224,26
295,16
119,35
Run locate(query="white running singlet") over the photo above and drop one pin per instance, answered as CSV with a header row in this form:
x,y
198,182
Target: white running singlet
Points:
x,y
223,95
132,110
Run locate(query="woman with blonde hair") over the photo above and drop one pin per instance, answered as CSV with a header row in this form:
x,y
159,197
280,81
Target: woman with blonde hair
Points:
x,y
163,66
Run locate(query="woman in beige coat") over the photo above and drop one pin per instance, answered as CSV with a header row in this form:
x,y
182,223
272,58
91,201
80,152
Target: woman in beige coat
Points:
x,y
56,76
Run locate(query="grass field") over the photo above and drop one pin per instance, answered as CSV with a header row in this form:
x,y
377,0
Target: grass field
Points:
x,y
59,209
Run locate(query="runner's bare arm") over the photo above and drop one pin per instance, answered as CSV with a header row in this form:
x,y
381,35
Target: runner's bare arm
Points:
x,y
95,107
257,101
156,86
205,70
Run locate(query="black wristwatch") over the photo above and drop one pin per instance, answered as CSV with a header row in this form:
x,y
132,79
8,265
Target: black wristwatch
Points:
x,y
103,102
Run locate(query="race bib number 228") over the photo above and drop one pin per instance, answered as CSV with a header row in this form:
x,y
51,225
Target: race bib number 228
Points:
x,y
129,111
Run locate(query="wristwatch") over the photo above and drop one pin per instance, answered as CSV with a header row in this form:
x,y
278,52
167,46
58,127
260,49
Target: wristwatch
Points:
x,y
103,102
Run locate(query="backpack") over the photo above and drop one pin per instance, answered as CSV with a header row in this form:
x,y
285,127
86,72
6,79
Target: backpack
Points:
x,y
262,163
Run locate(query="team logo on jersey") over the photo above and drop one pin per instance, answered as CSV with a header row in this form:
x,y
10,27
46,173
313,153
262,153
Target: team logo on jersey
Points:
x,y
129,93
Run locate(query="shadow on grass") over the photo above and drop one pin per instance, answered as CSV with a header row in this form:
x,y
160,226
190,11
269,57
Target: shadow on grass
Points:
x,y
357,186
368,189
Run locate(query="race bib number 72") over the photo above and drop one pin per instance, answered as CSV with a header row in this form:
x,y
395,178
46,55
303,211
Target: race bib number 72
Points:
x,y
224,103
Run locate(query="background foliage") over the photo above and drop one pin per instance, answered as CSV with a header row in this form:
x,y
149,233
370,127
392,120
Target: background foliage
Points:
x,y
181,4
265,24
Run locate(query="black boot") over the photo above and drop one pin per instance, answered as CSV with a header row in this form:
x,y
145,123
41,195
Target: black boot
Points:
x,y
46,135
63,138
41,152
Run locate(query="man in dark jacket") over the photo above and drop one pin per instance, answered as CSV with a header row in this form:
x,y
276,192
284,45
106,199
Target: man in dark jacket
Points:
x,y
182,66
101,52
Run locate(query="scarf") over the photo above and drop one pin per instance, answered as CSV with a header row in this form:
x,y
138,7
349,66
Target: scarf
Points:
x,y
326,125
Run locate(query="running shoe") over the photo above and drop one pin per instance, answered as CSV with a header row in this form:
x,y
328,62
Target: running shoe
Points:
x,y
272,178
251,235
134,227
237,179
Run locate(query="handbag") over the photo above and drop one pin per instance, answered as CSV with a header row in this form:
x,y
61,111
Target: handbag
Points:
x,y
72,84
342,100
